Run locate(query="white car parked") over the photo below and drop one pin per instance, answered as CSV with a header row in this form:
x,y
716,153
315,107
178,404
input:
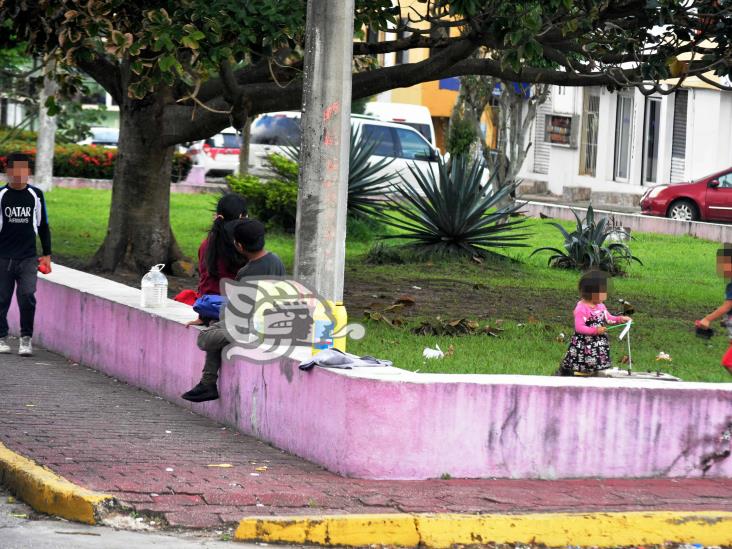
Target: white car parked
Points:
x,y
414,116
104,137
273,132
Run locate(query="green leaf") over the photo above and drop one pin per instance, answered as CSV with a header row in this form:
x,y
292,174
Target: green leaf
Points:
x,y
166,62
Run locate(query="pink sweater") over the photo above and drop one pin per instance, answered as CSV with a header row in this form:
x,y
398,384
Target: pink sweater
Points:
x,y
583,312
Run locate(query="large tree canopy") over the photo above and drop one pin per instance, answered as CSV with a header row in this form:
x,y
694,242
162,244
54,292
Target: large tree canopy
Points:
x,y
182,70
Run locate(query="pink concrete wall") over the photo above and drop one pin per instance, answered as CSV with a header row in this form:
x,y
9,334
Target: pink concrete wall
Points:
x,y
396,424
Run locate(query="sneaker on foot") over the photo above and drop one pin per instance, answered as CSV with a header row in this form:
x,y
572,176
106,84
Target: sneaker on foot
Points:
x,y
26,346
202,393
4,347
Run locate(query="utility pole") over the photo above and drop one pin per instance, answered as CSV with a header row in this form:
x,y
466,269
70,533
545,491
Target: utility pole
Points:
x,y
320,245
46,140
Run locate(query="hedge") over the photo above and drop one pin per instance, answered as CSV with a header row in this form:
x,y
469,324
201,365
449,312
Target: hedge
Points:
x,y
87,161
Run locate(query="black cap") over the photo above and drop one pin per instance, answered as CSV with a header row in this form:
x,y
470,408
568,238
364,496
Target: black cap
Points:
x,y
250,234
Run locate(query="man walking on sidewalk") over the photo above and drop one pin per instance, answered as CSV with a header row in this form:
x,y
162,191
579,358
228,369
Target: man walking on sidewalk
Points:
x,y
22,217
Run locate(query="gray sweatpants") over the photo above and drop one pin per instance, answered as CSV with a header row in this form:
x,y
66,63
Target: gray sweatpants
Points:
x,y
212,340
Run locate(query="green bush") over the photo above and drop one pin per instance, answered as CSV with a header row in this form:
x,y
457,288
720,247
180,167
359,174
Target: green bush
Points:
x,y
586,247
462,135
86,161
284,168
14,134
273,201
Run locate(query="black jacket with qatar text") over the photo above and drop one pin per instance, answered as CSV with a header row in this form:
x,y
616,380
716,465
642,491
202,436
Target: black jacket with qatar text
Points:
x,y
22,217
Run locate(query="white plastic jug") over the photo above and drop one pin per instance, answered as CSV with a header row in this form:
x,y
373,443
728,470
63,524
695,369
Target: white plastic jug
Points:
x,y
154,288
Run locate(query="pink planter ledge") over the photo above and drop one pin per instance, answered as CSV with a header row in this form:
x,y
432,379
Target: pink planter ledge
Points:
x,y
387,423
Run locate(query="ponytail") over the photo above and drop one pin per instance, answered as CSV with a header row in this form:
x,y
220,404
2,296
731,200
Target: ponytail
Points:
x,y
220,243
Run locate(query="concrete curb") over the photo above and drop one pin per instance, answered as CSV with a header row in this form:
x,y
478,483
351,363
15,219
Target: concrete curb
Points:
x,y
49,493
446,530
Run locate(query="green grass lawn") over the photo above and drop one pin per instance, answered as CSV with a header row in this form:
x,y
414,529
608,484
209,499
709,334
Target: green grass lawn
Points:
x,y
531,302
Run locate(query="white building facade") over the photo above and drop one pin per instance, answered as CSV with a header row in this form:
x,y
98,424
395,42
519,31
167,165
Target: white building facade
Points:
x,y
624,142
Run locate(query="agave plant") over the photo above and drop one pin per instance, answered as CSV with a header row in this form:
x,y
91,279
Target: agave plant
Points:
x,y
369,182
452,213
586,247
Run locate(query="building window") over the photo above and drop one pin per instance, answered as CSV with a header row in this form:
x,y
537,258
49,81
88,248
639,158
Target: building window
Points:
x,y
650,145
678,147
623,134
590,122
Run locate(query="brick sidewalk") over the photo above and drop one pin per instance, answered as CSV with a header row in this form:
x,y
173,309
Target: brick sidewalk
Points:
x,y
108,436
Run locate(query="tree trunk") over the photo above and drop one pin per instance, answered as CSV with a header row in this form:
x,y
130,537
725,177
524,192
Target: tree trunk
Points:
x,y
246,134
46,132
139,234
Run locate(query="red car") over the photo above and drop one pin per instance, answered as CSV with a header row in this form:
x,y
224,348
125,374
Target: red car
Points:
x,y
706,199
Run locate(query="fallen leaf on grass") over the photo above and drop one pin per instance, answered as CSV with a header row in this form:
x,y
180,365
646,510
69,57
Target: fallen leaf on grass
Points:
x,y
450,351
220,465
664,356
625,359
492,331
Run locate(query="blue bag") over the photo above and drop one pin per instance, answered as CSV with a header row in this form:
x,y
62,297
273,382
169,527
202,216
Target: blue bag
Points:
x,y
209,306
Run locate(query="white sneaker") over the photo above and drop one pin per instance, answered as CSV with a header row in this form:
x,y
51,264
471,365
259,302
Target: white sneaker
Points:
x,y
26,346
4,347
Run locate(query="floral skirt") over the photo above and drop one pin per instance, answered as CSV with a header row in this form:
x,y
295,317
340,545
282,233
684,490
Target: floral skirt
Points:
x,y
586,354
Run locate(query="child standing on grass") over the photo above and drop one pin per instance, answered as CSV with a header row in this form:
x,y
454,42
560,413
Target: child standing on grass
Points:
x,y
589,349
724,268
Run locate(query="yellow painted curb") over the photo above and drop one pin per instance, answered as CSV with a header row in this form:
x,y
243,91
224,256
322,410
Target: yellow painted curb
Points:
x,y
47,492
445,530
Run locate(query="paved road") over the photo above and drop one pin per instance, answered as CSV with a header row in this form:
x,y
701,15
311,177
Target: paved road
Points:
x,y
191,472
21,528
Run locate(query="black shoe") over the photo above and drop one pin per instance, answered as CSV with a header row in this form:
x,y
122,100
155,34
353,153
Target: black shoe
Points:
x,y
201,393
197,390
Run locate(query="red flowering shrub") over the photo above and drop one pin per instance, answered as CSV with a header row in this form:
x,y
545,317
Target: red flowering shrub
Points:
x,y
86,161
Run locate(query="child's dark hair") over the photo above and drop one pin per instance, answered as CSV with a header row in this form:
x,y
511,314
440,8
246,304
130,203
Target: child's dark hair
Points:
x,y
592,282
17,157
725,251
249,233
220,242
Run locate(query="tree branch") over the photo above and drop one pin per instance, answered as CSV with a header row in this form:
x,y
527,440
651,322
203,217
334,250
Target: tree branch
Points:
x,y
106,73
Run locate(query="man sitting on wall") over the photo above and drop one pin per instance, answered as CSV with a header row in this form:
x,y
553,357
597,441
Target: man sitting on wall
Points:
x,y
249,241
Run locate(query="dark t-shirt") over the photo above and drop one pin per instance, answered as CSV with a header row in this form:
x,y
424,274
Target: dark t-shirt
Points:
x,y
267,265
22,217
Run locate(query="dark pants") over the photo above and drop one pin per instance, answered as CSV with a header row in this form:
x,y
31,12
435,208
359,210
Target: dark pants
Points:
x,y
212,340
22,273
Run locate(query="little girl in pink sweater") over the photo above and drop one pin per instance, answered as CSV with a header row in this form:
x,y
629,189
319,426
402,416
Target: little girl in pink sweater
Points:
x,y
589,349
